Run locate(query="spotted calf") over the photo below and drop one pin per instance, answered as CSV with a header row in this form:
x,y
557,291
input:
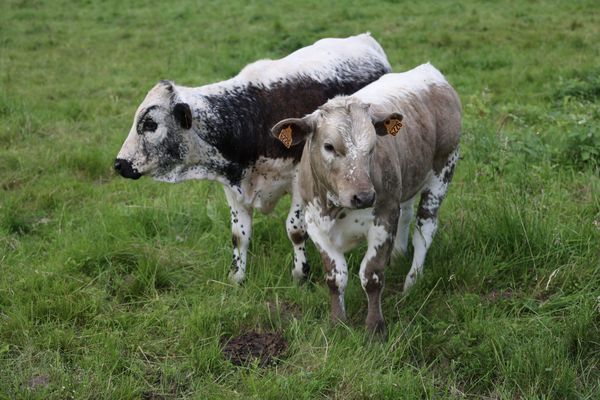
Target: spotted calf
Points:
x,y
366,159
221,131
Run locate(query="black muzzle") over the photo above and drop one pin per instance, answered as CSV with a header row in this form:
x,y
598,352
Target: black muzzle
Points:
x,y
125,168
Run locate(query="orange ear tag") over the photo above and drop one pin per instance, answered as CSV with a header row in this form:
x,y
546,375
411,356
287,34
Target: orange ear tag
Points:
x,y
286,136
392,126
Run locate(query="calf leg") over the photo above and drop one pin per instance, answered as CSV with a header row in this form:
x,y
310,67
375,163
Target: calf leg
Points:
x,y
380,240
241,230
296,230
336,269
427,216
402,234
336,276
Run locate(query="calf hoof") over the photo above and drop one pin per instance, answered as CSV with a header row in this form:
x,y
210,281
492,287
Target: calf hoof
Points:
x,y
337,321
377,329
410,280
338,316
300,273
236,277
299,276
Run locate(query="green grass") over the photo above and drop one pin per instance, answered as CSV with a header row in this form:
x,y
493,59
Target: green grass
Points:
x,y
111,288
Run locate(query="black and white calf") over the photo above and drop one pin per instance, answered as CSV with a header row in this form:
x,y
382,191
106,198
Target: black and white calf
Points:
x,y
221,131
366,158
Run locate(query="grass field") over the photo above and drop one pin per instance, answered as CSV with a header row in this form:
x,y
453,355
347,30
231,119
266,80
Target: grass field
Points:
x,y
115,289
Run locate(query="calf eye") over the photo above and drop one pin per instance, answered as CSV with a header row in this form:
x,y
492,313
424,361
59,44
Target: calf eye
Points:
x,y
149,126
329,148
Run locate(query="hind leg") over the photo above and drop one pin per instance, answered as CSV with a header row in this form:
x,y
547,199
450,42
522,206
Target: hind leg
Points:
x,y
402,234
427,216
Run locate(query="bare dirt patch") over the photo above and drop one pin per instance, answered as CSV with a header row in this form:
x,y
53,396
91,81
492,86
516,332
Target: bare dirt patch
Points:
x,y
265,347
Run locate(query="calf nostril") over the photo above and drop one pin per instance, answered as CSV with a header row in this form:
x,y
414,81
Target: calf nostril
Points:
x,y
369,198
118,165
363,199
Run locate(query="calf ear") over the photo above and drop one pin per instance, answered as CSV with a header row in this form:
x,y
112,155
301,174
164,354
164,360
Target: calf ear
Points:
x,y
292,131
183,115
387,124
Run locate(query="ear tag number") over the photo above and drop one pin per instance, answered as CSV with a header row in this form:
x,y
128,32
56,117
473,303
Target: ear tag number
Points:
x,y
392,126
286,136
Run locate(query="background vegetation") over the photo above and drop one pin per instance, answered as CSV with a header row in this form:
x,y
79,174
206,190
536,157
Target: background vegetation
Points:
x,y
111,288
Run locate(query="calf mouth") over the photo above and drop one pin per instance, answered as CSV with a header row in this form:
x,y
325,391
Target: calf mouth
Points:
x,y
126,169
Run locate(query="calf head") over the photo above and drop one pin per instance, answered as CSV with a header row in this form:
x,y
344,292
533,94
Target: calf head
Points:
x,y
161,138
340,141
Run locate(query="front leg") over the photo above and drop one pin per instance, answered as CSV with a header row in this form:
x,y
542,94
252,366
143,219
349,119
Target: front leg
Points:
x,y
380,240
296,230
241,230
336,271
336,276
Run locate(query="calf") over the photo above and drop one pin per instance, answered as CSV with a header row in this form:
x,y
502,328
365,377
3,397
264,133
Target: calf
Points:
x,y
366,158
221,131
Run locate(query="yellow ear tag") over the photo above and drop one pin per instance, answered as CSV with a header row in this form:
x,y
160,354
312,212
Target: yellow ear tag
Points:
x,y
392,126
286,136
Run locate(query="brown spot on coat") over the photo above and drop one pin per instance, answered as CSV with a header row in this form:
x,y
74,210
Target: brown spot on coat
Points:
x,y
373,285
235,240
298,237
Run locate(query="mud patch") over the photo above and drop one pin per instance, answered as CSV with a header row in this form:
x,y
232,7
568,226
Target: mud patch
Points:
x,y
264,347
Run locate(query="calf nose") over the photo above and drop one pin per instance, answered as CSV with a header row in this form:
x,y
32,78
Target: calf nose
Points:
x,y
125,168
363,199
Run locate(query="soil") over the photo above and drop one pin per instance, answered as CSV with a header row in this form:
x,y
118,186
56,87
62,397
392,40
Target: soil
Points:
x,y
264,347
